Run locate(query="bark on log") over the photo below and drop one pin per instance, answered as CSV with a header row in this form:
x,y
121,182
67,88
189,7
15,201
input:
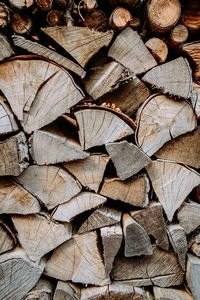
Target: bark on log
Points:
x,y
96,20
21,23
190,16
158,49
192,51
188,216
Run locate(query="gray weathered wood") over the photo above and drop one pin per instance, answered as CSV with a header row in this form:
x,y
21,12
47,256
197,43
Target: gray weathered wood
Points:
x,y
8,123
6,49
192,275
188,216
43,290
195,99
171,294
7,239
120,291
94,293
66,291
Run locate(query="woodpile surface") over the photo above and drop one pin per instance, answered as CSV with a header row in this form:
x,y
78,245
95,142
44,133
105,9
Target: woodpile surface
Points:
x,y
100,150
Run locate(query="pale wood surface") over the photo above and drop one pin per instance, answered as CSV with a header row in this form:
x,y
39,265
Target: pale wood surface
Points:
x,y
171,294
192,275
21,4
158,49
43,290
51,184
120,291
7,242
95,293
119,18
8,123
172,182
188,216
195,99
6,49
179,34
192,51
66,291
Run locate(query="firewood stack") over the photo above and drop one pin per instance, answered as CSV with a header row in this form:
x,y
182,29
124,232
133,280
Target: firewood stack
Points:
x,y
100,150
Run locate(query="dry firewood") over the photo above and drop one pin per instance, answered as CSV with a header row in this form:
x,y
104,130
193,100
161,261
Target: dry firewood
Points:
x,y
171,294
66,291
6,49
158,49
137,242
8,123
80,42
99,126
120,291
37,103
128,159
190,15
153,214
21,4
129,50
78,260
188,216
51,184
160,119
172,183
166,77
162,15
134,23
44,5
4,15
14,199
55,17
179,34
43,290
96,20
111,240
184,149
192,50
84,201
37,48
178,241
133,191
90,4
19,274
95,293
101,217
141,294
195,99
45,235
21,23
195,248
7,240
192,275
119,18
90,170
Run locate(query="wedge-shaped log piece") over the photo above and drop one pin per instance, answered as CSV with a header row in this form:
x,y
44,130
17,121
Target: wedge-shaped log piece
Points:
x,y
178,241
100,126
45,234
172,182
81,42
121,291
137,241
5,48
133,191
101,217
195,99
84,201
8,123
42,290
192,50
52,185
161,269
171,294
90,170
195,248
20,274
7,241
129,50
94,293
160,119
48,93
166,77
153,214
188,216
192,275
66,290
111,240
158,48
128,159
184,149
14,157
78,260
38,49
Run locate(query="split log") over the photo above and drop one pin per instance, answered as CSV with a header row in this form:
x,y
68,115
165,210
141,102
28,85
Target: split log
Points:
x,y
137,241
171,294
4,15
135,23
20,274
8,123
158,49
21,23
52,185
178,241
36,48
160,119
133,191
188,216
95,293
172,182
84,201
192,275
78,260
90,170
79,42
120,291
195,248
42,290
195,99
111,240
153,214
7,239
21,4
44,5
66,291
133,55
161,269
162,15
14,155
141,294
192,51
96,20
179,35
119,18
190,16
166,77
6,49
100,126
101,217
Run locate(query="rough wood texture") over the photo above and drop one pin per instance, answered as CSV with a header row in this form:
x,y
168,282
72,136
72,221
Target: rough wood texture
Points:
x,y
14,155
7,241
44,5
195,99
190,16
55,17
21,4
79,42
20,272
166,77
142,294
171,294
8,123
129,50
192,50
153,214
172,182
66,291
52,185
95,293
133,191
158,49
4,15
195,248
128,159
97,20
90,4
137,242
6,49
188,216
179,34
89,171
78,260
98,127
84,201
43,290
21,23
101,217
160,119
192,275
111,239
119,18
120,291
